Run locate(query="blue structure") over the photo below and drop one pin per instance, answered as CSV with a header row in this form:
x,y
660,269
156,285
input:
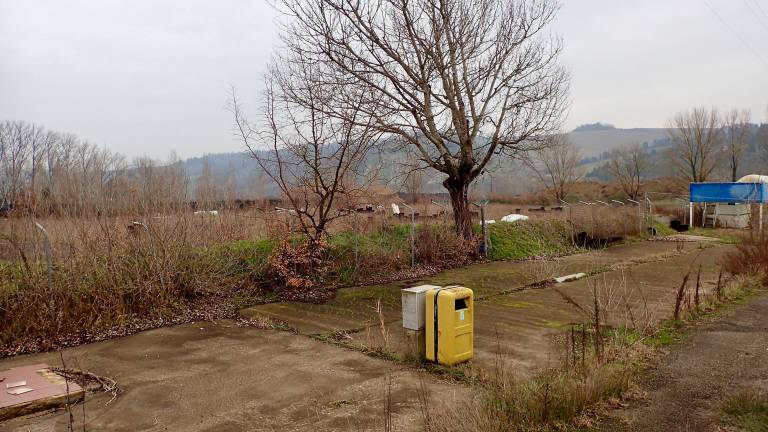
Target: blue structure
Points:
x,y
729,192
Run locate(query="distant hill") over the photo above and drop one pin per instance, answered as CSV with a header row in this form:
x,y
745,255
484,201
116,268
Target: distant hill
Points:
x,y
596,141
593,127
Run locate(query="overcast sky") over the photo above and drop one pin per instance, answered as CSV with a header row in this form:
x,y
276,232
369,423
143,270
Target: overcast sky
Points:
x,y
143,77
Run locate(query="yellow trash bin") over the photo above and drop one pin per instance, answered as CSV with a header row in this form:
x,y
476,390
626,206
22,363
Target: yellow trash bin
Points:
x,y
450,324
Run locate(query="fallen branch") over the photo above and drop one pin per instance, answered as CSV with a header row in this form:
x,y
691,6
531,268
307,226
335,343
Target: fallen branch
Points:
x,y
90,381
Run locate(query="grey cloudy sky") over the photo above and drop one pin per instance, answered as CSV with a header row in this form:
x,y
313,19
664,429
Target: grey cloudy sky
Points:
x,y
143,77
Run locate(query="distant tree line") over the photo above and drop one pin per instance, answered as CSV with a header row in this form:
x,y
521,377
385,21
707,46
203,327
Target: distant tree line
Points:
x,y
43,172
708,145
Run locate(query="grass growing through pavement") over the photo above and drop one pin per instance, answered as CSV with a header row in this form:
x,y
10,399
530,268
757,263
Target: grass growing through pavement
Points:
x,y
746,410
598,365
725,236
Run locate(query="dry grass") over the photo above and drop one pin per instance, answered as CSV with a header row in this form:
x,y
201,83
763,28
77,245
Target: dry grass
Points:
x,y
746,410
595,364
106,278
750,258
110,273
599,363
551,400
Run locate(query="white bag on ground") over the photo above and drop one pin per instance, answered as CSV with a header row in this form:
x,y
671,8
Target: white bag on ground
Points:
x,y
514,218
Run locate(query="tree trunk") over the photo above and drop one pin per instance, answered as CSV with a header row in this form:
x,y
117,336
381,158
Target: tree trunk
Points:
x,y
458,190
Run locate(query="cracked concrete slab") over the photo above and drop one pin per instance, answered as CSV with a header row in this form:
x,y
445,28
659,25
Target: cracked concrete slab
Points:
x,y
520,321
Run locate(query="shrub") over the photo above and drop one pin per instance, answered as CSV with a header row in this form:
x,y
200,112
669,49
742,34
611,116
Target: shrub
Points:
x,y
296,268
91,292
750,258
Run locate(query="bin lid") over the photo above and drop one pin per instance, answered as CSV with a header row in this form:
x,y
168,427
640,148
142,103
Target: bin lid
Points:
x,y
420,288
458,291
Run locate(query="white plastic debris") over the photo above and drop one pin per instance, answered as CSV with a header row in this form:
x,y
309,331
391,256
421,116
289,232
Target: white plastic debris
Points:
x,y
514,218
569,278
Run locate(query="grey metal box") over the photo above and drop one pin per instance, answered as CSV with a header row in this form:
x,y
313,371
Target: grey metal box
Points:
x,y
413,306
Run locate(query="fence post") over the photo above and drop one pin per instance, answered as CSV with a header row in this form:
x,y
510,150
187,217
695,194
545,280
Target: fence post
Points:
x,y
413,238
571,224
413,234
485,230
649,223
690,214
355,222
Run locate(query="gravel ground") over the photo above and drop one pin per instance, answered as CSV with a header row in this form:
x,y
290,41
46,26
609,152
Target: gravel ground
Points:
x,y
686,390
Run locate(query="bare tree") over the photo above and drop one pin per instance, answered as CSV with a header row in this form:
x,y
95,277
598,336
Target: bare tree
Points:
x,y
628,167
414,179
762,138
695,137
207,189
45,172
316,160
556,166
459,82
14,149
736,128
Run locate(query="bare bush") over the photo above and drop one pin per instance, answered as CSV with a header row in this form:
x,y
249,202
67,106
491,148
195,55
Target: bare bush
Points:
x,y
750,258
629,167
557,166
317,160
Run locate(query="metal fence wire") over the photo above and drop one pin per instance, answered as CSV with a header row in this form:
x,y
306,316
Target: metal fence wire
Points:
x,y
602,221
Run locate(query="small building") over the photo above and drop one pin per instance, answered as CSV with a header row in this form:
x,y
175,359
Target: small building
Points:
x,y
730,205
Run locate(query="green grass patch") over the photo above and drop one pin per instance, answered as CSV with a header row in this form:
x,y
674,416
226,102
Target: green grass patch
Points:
x,y
663,229
663,336
725,236
388,237
528,239
253,253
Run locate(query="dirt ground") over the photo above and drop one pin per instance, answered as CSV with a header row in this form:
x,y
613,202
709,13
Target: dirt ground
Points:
x,y
684,393
221,377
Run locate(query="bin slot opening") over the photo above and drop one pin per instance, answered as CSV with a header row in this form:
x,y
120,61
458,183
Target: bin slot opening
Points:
x,y
461,304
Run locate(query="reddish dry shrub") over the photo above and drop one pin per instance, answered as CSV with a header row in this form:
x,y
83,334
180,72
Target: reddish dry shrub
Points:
x,y
442,247
750,258
296,268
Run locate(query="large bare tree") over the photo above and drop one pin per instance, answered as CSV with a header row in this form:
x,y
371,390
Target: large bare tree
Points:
x,y
628,167
736,128
556,166
457,82
316,160
696,137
